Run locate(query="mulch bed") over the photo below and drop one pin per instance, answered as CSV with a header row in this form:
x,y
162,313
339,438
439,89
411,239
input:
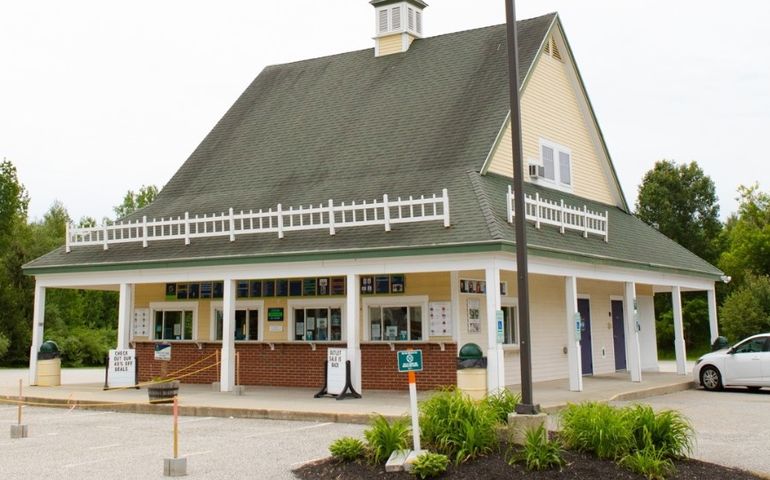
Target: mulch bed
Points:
x,y
494,466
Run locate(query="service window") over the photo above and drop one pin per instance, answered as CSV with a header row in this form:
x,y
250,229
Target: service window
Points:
x,y
246,324
317,323
510,325
173,324
394,323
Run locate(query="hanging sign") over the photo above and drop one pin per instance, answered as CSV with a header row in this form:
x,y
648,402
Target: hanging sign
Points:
x,y
121,368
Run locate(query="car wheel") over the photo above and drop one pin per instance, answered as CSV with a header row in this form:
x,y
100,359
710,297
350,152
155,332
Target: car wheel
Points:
x,y
754,389
710,378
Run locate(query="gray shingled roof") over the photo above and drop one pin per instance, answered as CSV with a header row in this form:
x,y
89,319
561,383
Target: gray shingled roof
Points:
x,y
353,127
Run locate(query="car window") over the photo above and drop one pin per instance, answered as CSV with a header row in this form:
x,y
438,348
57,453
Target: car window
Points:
x,y
767,344
752,346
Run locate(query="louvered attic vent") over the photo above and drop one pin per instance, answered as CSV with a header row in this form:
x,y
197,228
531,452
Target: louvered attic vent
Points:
x,y
552,49
390,20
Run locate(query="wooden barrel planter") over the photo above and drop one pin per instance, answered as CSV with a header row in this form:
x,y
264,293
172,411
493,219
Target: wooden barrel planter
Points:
x,y
163,392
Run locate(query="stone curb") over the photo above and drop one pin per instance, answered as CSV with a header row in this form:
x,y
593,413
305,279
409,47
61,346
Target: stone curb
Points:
x,y
204,411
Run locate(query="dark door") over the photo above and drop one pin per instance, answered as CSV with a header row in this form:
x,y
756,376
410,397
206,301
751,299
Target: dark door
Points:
x,y
619,334
584,307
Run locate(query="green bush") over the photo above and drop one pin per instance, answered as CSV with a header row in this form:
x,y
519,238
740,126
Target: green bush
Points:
x,y
668,431
649,462
597,428
384,437
453,424
502,403
4,344
429,465
347,449
539,452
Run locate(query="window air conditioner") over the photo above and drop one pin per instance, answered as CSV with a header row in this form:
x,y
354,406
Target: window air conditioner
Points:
x,y
536,171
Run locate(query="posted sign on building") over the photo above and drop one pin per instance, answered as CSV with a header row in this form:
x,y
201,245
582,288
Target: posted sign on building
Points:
x,y
121,371
410,361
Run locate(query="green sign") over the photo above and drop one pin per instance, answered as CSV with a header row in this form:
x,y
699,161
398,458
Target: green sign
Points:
x,y
275,314
410,361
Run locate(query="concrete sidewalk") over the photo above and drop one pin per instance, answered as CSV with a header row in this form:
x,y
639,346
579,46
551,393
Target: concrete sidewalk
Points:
x,y
83,389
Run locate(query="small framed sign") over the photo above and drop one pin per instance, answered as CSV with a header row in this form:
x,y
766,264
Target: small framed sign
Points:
x,y
275,314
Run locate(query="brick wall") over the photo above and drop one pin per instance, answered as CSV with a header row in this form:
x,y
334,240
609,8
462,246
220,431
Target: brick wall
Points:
x,y
297,365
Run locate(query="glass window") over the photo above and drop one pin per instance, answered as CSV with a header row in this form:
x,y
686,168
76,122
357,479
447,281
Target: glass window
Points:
x,y
246,324
173,325
564,168
510,326
395,323
318,324
548,163
752,346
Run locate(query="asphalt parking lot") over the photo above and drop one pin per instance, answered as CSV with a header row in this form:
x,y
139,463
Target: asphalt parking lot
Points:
x,y
90,444
731,426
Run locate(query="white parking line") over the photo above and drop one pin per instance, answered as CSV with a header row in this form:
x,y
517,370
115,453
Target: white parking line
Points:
x,y
197,453
101,447
80,464
195,419
309,427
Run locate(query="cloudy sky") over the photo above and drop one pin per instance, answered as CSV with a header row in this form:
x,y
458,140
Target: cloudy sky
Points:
x,y
100,97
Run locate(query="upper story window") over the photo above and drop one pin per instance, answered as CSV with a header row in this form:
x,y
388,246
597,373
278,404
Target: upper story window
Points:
x,y
557,164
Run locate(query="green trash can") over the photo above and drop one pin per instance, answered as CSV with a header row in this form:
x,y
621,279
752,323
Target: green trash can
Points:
x,y
48,365
472,371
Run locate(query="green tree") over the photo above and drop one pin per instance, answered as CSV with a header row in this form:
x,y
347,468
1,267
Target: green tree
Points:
x,y
746,310
681,202
134,201
746,237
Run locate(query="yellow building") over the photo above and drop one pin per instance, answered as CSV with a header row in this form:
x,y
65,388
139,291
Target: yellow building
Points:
x,y
362,201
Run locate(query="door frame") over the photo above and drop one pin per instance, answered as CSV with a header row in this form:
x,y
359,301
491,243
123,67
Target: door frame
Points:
x,y
621,299
583,296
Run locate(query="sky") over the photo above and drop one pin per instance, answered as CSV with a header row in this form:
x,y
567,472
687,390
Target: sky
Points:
x,y
97,97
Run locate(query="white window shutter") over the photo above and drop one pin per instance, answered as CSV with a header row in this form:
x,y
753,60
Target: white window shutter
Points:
x,y
564,168
419,21
410,19
383,21
395,18
548,163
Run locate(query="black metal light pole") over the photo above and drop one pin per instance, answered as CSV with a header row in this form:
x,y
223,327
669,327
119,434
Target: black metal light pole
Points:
x,y
527,406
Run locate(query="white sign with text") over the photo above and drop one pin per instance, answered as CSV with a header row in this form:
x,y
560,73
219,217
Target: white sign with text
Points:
x,y
121,371
335,370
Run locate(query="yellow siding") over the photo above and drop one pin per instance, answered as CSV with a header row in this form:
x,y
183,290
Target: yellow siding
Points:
x,y
146,293
390,44
550,110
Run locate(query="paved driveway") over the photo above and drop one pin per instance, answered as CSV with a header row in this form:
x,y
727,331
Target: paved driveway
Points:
x,y
732,427
107,445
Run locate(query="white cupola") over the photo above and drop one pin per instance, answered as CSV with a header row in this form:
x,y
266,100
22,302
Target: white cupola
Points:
x,y
397,24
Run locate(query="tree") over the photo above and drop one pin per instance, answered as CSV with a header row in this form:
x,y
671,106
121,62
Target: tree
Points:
x,y
746,310
13,200
746,237
681,202
134,201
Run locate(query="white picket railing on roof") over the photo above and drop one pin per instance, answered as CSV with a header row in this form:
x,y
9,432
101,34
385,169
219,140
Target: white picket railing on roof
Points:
x,y
559,214
278,220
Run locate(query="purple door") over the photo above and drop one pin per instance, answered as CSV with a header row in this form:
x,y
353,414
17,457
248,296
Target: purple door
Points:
x,y
586,354
619,335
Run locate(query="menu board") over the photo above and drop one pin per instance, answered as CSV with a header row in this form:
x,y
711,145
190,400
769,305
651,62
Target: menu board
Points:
x,y
367,285
295,288
194,290
242,289
299,287
382,284
309,287
171,290
206,290
281,287
337,286
440,319
181,291
268,288
323,286
397,284
255,288
219,288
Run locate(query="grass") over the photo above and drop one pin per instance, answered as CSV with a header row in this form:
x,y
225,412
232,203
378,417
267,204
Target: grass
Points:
x,y
596,428
539,453
649,462
384,437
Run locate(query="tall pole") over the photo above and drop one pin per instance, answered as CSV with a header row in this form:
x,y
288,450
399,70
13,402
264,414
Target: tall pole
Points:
x,y
527,406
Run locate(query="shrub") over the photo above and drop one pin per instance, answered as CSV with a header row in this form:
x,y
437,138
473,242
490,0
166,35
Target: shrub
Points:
x,y
429,465
502,403
597,428
347,449
668,431
539,452
649,462
384,437
455,425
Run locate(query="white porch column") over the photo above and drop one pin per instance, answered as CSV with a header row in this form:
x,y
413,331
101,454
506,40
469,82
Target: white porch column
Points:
x,y
38,323
125,307
574,360
713,325
630,314
352,330
454,296
681,354
495,356
227,377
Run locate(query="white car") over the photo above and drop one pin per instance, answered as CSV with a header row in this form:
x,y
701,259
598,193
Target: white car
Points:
x,y
746,364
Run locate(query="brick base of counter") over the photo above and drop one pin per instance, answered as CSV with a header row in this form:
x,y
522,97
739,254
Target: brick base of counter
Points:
x,y
298,365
